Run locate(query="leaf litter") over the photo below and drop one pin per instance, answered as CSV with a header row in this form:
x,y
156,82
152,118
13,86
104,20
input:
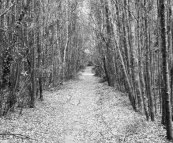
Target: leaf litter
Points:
x,y
83,111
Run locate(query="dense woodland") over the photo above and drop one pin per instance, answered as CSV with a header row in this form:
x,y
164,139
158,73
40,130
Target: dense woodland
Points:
x,y
46,42
41,47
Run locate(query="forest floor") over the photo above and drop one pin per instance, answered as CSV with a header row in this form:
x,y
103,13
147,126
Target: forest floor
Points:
x,y
82,111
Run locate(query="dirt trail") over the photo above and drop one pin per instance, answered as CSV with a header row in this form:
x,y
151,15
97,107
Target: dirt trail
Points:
x,y
90,115
83,111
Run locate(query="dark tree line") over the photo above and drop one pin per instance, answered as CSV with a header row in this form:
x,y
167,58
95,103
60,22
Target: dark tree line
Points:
x,y
40,47
134,53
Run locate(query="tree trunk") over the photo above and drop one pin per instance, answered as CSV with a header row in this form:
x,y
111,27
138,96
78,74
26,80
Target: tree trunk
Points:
x,y
166,89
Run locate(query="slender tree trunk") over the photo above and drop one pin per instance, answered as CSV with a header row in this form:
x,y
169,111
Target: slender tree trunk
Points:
x,y
108,59
166,89
67,39
39,67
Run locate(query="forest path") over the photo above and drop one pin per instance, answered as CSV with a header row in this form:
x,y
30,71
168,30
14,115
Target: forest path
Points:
x,y
82,111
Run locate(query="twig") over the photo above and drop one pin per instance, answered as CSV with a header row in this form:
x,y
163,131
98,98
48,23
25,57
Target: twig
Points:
x,y
17,135
5,11
78,103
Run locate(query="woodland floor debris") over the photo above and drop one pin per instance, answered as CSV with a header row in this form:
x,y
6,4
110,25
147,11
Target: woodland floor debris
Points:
x,y
83,111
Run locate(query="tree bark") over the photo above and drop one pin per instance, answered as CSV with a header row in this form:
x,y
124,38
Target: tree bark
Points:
x,y
166,89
